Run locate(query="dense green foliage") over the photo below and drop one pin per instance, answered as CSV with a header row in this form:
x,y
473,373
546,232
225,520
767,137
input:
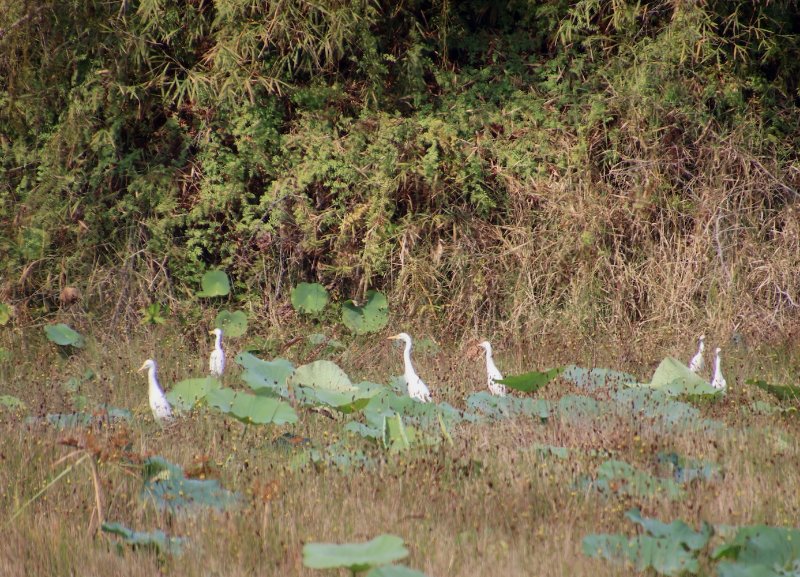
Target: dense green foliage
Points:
x,y
602,159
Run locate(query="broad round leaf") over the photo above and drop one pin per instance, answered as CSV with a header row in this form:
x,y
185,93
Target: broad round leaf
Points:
x,y
322,375
232,323
498,408
309,298
370,318
349,401
675,378
533,381
63,335
356,557
677,530
270,375
352,317
183,396
215,283
376,311
155,539
625,479
663,556
249,408
596,379
166,485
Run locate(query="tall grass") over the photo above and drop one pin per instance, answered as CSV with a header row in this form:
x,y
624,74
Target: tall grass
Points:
x,y
488,504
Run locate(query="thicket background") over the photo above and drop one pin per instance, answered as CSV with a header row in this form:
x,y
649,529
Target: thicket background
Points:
x,y
599,165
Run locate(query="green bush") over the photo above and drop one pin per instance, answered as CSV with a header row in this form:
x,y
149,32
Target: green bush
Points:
x,y
431,151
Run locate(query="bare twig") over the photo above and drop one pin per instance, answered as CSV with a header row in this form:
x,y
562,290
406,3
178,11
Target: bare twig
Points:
x,y
98,494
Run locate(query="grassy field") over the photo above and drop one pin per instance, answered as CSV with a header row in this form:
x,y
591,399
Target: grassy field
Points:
x,y
488,503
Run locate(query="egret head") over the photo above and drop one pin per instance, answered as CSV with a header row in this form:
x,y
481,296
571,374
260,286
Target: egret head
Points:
x,y
402,337
148,364
216,332
486,346
718,351
702,338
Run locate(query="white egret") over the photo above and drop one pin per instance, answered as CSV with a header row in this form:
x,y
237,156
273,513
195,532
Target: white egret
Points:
x,y
718,382
697,363
216,362
416,388
158,402
493,374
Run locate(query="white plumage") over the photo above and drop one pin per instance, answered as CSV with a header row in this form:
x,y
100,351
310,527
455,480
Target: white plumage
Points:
x,y
216,362
697,363
718,381
158,402
493,374
416,388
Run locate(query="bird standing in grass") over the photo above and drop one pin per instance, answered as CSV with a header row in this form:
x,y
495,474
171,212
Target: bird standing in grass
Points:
x,y
216,362
416,388
697,363
493,374
718,382
158,402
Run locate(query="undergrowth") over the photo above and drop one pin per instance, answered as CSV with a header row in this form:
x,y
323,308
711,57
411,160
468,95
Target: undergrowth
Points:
x,y
604,167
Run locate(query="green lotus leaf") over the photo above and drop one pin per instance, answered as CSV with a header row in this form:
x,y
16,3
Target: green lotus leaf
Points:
x,y
675,531
624,479
63,335
322,375
381,550
232,323
532,381
675,378
668,549
266,375
309,298
598,378
166,485
157,540
252,409
369,318
495,407
215,283
184,395
665,556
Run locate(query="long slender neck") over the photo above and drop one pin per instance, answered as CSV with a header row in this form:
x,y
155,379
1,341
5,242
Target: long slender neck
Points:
x,y
151,377
409,368
218,343
717,363
700,348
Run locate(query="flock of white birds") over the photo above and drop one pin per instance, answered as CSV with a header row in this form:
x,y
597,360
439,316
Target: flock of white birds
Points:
x,y
698,363
417,389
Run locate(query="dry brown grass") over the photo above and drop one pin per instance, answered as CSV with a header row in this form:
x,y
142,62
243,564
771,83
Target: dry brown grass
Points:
x,y
487,505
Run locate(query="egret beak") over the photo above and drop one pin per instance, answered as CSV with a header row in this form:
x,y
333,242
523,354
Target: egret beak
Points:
x,y
393,337
143,367
211,332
